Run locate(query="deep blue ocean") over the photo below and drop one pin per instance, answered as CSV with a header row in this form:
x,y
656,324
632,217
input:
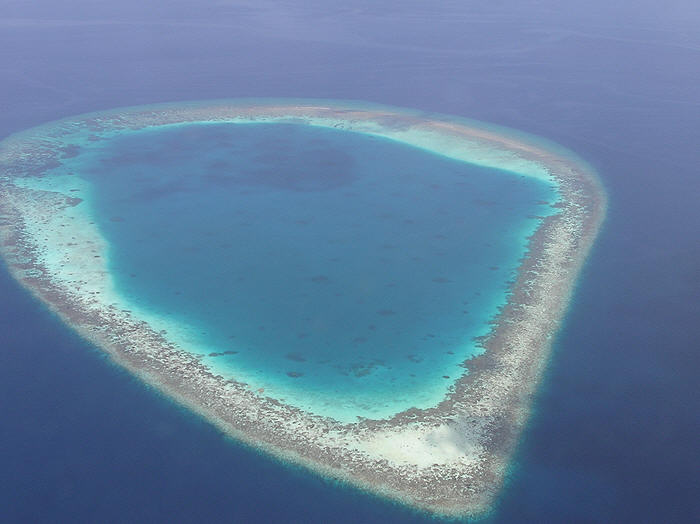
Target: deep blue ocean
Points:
x,y
614,433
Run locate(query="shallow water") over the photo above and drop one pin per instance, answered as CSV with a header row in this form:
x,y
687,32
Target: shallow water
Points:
x,y
345,273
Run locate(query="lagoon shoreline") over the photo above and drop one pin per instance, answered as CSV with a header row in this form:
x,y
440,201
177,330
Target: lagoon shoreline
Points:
x,y
470,435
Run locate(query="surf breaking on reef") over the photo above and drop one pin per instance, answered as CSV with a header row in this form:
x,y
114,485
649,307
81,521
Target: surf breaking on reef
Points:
x,y
449,459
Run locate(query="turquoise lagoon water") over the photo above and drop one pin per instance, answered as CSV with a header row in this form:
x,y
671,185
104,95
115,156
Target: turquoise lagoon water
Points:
x,y
344,273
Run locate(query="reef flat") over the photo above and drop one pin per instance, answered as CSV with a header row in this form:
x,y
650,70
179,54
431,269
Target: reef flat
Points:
x,y
450,458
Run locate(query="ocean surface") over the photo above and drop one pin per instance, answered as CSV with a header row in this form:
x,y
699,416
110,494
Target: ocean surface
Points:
x,y
613,434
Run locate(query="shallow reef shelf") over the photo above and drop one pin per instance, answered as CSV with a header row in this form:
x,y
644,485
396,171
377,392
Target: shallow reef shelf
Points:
x,y
450,458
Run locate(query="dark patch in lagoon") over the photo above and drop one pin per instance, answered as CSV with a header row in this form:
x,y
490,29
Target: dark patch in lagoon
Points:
x,y
73,201
70,151
312,170
295,374
160,190
222,353
361,369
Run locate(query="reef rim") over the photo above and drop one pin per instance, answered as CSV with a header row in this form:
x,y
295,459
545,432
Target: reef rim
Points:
x,y
449,459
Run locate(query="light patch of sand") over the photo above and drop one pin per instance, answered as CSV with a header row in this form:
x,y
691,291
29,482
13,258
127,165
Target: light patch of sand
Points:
x,y
422,446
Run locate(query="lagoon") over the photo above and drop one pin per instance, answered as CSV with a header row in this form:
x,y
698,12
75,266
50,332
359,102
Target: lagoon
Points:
x,y
345,273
